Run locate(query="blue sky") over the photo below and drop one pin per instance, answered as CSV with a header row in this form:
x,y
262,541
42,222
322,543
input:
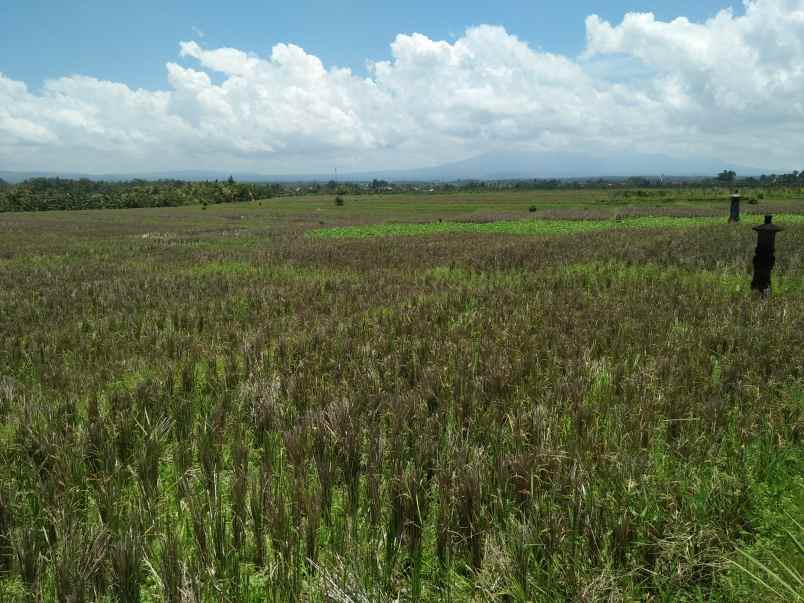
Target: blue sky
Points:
x,y
106,86
131,41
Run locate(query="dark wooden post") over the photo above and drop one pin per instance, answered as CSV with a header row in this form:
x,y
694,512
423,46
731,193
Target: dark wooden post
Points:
x,y
764,259
734,214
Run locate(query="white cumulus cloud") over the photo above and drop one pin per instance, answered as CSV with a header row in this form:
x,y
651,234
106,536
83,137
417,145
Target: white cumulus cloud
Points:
x,y
731,87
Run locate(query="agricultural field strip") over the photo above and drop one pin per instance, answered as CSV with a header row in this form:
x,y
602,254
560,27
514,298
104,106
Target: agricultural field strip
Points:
x,y
533,227
597,274
592,274
654,434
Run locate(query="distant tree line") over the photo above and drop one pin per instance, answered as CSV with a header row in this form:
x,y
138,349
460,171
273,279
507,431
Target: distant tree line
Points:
x,y
44,194
792,179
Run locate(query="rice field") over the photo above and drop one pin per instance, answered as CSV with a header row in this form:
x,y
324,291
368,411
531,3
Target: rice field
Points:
x,y
245,404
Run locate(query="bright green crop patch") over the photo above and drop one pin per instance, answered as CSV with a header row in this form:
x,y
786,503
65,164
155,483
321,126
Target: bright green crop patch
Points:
x,y
595,275
269,273
213,268
531,227
604,273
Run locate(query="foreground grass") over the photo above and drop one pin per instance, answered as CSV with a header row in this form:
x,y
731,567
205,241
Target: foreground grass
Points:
x,y
464,416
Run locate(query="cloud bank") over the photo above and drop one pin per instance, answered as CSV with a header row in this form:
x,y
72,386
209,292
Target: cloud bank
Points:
x,y
731,87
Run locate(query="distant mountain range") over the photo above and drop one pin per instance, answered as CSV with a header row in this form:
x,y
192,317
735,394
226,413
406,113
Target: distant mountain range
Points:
x,y
509,165
506,165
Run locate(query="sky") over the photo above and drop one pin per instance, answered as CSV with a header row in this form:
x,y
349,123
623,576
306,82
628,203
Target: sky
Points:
x,y
299,87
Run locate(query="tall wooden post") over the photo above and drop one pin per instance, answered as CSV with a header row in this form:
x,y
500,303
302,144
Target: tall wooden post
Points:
x,y
734,214
765,257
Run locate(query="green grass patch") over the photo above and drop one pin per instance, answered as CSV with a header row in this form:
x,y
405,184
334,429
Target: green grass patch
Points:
x,y
215,268
285,272
769,562
531,227
473,279
269,273
600,274
604,274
